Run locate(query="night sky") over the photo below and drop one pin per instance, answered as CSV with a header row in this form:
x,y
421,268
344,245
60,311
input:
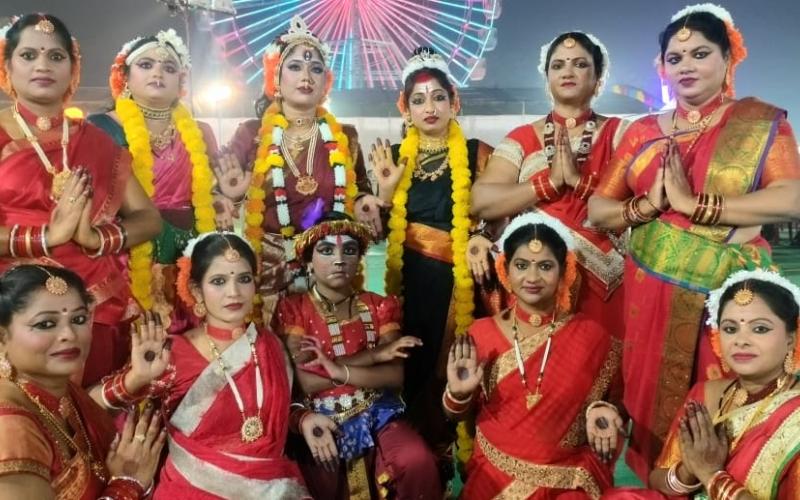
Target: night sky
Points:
x,y
629,28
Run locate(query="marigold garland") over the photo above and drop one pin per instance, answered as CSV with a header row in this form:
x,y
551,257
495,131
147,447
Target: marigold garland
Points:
x,y
461,184
138,137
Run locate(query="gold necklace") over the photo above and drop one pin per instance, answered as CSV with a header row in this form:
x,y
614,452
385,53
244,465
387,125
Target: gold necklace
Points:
x,y
532,398
162,139
306,184
424,175
252,427
59,178
155,113
52,423
432,145
296,144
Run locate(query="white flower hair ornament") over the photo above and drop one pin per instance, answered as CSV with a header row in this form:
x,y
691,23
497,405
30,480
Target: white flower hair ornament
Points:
x,y
715,296
537,218
603,50
717,11
168,40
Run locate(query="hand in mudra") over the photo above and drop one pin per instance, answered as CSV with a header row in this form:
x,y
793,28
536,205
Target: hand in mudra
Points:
x,y
387,173
603,426
464,372
150,349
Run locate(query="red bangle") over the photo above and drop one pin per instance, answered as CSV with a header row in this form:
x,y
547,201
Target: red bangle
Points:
x,y
122,489
543,186
586,186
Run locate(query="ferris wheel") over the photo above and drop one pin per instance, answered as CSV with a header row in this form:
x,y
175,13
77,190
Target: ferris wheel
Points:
x,y
370,40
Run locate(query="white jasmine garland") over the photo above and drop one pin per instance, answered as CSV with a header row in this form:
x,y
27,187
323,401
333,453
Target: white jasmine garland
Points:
x,y
191,244
715,10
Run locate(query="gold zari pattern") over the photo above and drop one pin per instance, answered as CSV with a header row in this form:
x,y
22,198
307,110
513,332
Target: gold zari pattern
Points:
x,y
534,476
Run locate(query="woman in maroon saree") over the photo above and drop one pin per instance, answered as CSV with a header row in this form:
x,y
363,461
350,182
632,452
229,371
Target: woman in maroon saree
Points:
x,y
532,372
68,197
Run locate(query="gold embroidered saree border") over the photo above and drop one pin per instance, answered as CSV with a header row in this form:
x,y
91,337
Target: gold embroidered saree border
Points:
x,y
533,476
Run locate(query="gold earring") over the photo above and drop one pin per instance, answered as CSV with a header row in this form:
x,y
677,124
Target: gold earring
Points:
x,y
126,92
788,362
6,368
725,366
199,309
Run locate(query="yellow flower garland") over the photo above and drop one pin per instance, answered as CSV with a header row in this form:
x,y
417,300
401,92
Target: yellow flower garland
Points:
x,y
461,184
138,137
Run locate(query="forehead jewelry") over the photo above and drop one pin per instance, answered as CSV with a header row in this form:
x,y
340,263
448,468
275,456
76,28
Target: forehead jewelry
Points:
x,y
307,55
55,285
162,52
231,254
569,42
744,296
45,26
684,33
535,245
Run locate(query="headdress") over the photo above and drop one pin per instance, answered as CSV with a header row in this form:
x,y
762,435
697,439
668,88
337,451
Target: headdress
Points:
x,y
567,289
603,50
738,50
361,232
425,58
167,41
715,296
185,262
46,26
276,52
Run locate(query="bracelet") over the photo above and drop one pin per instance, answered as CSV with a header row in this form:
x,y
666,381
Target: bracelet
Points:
x,y
631,213
346,378
135,481
545,191
647,199
455,410
28,241
597,404
12,235
101,249
708,209
586,186
675,484
454,399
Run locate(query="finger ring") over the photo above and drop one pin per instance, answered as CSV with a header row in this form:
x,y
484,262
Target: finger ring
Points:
x,y
149,356
140,437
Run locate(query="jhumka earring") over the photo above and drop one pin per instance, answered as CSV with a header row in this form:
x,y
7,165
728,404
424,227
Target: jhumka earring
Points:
x,y
199,309
6,369
788,362
126,92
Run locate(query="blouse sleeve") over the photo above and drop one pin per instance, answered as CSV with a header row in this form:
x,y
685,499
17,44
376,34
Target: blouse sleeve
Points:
x,y
389,315
209,139
290,317
671,452
789,487
243,143
359,166
23,448
783,160
613,183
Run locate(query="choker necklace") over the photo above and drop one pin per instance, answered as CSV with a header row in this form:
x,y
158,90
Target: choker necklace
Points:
x,y
302,121
218,333
252,427
533,319
432,145
43,123
571,122
329,305
694,116
585,147
155,114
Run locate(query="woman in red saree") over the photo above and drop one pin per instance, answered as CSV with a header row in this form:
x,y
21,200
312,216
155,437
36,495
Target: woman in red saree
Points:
x,y
55,441
68,198
348,351
695,184
553,166
228,405
532,371
737,438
